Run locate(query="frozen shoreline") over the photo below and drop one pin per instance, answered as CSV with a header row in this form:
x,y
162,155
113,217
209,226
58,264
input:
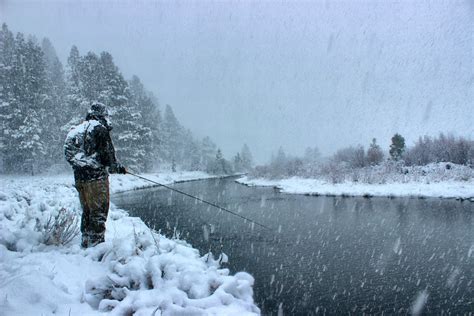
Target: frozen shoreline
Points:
x,y
463,190
135,270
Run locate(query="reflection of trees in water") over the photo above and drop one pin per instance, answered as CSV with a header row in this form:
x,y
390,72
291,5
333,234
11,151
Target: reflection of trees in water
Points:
x,y
339,207
357,207
369,205
401,209
442,213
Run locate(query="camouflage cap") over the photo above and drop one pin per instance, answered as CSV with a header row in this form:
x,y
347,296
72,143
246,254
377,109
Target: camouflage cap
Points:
x,y
98,109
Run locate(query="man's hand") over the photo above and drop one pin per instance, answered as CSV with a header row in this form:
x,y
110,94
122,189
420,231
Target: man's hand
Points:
x,y
118,168
121,169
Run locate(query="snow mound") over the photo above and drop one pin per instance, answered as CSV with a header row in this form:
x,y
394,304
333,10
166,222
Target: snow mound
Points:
x,y
147,272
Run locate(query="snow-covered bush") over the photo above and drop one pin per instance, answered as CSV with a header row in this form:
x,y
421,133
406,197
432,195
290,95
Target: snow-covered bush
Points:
x,y
333,172
391,172
59,229
150,274
30,217
354,157
440,149
281,167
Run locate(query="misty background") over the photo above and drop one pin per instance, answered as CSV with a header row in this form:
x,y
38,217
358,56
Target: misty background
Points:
x,y
295,74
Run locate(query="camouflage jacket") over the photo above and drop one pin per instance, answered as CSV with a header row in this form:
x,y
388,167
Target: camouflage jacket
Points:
x,y
89,150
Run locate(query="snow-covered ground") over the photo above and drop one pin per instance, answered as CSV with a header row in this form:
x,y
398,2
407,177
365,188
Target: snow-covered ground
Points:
x,y
136,271
448,189
120,183
429,181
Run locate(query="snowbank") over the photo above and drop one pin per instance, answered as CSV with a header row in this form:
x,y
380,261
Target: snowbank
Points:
x,y
120,183
428,181
135,271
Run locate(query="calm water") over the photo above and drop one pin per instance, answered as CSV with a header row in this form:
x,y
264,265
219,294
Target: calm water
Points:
x,y
327,255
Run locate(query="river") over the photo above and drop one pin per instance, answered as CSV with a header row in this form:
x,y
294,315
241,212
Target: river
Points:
x,y
326,255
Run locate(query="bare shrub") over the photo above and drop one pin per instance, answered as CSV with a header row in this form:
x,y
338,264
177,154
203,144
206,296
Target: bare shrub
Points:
x,y
354,157
334,172
60,229
440,149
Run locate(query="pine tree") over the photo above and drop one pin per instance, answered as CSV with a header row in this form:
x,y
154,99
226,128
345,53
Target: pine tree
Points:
x,y
208,148
191,152
397,148
156,122
238,163
29,110
150,121
278,163
76,102
247,159
54,68
374,153
91,79
73,63
171,149
132,136
55,107
7,99
220,165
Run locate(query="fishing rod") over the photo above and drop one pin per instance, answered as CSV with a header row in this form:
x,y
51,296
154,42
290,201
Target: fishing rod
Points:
x,y
200,200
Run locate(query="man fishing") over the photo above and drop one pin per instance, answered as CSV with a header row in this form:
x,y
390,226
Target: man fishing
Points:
x,y
90,151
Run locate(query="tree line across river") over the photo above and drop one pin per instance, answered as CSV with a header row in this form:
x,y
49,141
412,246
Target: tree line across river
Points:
x,y
40,100
357,163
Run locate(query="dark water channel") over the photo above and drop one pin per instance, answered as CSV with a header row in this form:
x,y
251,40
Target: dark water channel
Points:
x,y
329,255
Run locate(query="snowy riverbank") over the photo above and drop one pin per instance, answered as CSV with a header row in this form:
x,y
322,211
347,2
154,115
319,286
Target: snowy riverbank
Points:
x,y
134,271
295,185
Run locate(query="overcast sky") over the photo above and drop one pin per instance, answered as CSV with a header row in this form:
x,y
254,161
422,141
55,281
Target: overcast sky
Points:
x,y
297,74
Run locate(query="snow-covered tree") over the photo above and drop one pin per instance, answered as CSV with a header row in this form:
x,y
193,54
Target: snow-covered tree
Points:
x,y
353,157
191,159
151,120
440,149
311,155
220,166
420,153
171,147
374,153
39,102
7,98
55,105
77,103
156,122
25,102
247,159
238,163
279,163
208,149
54,69
132,135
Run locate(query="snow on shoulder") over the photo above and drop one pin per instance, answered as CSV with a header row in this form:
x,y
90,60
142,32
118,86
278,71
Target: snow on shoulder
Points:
x,y
74,144
136,271
81,128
